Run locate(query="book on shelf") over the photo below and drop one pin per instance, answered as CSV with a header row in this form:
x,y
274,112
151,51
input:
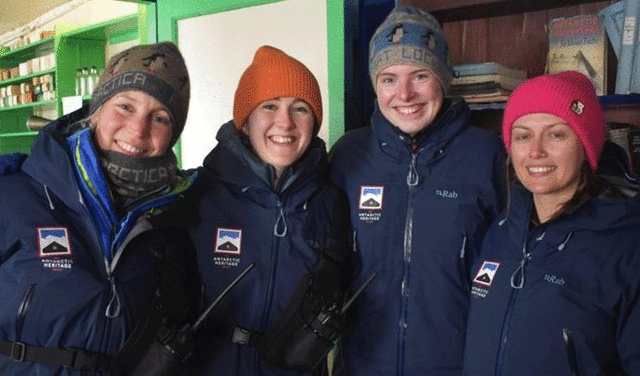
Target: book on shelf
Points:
x,y
634,149
488,68
496,95
477,89
485,82
613,21
634,86
579,44
506,82
618,133
628,50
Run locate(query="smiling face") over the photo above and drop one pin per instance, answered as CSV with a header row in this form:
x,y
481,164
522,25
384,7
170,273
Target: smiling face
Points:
x,y
133,123
547,156
409,97
280,130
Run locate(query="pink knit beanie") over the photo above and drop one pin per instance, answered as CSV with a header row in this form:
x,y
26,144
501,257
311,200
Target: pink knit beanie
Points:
x,y
567,95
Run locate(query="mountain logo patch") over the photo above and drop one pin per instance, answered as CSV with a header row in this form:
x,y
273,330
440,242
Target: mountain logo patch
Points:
x,y
371,197
486,273
53,241
228,241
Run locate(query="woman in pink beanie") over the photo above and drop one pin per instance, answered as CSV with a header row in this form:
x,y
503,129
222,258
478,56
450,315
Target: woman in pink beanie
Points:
x,y
556,287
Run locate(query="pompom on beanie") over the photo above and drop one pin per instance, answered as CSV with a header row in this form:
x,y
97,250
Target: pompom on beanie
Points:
x,y
156,69
568,95
410,35
274,74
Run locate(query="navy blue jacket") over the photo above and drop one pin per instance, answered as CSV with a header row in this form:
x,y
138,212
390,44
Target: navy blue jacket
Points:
x,y
242,221
419,217
70,278
561,298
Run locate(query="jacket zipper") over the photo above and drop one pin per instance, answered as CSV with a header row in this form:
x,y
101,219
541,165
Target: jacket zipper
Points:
x,y
274,257
517,284
22,310
505,329
412,181
571,351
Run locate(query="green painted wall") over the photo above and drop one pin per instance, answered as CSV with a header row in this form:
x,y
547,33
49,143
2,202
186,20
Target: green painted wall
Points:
x,y
172,11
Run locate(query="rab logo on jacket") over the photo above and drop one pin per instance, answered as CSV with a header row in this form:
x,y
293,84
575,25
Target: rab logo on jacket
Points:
x,y
370,203
54,248
484,277
228,247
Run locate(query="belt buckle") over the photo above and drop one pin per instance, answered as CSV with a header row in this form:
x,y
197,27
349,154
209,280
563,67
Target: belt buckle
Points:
x,y
240,336
18,350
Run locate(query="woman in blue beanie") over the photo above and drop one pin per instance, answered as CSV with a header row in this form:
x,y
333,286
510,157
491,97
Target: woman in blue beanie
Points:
x,y
423,185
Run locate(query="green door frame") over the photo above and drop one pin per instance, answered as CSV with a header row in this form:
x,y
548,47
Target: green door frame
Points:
x,y
171,11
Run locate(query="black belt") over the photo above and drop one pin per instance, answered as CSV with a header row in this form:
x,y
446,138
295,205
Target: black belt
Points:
x,y
69,358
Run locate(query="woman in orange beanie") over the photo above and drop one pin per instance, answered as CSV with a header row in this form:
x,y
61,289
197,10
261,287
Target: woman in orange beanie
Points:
x,y
263,198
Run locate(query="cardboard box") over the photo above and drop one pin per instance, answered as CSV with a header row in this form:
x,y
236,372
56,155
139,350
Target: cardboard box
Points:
x,y
47,34
13,90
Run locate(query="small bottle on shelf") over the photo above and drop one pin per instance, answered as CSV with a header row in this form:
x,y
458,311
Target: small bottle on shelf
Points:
x,y
85,81
79,81
93,78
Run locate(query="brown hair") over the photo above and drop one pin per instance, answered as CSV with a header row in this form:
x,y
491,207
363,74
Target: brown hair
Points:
x,y
590,185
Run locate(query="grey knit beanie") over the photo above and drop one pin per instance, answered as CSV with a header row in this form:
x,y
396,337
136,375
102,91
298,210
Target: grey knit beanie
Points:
x,y
410,36
156,69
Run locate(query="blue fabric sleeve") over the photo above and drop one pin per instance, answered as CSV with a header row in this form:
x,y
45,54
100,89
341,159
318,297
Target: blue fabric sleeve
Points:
x,y
11,163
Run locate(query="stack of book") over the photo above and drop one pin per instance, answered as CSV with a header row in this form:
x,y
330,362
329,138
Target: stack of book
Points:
x,y
485,82
621,21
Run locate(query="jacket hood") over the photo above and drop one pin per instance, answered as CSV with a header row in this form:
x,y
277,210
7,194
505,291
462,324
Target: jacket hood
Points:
x,y
50,164
233,161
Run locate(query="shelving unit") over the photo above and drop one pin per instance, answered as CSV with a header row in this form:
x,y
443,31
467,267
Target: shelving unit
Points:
x,y
514,34
74,46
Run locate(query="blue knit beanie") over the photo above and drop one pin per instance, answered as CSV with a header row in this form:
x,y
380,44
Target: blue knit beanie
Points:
x,y
410,36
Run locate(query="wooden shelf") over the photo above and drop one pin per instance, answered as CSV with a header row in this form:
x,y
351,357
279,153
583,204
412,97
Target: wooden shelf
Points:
x,y
459,10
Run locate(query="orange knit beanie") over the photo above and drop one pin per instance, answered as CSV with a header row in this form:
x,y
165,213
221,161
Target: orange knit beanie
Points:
x,y
274,74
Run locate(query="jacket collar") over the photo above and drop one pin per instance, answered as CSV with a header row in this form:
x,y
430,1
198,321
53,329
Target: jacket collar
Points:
x,y
233,161
591,214
452,119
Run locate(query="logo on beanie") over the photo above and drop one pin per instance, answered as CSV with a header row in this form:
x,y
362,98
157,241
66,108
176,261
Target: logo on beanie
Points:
x,y
397,34
431,40
577,107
